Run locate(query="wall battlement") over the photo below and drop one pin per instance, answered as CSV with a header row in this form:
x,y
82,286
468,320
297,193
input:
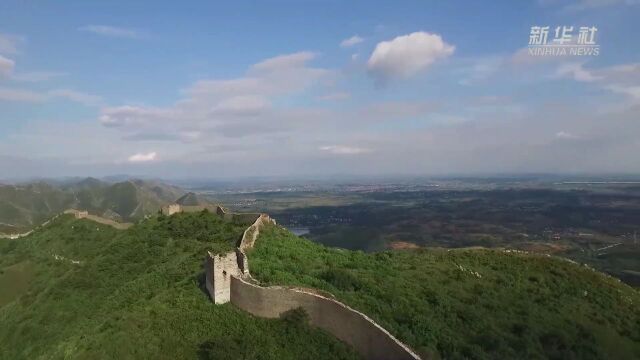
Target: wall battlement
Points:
x,y
238,218
83,214
219,269
347,324
171,209
228,280
78,214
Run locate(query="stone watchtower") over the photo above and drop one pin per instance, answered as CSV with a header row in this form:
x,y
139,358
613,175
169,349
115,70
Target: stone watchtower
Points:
x,y
219,269
171,209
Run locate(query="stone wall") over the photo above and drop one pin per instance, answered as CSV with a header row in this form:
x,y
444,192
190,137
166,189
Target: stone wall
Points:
x,y
219,269
244,218
251,233
15,236
248,239
238,218
171,209
79,214
345,323
227,279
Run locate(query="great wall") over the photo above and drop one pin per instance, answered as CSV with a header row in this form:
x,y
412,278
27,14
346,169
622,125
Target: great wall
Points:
x,y
227,279
78,214
85,215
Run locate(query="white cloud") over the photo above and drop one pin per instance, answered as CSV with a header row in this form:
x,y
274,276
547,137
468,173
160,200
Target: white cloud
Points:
x,y
6,66
111,31
21,95
355,39
280,75
265,121
36,76
577,72
395,110
620,79
336,96
406,55
123,116
580,5
217,109
566,135
249,105
76,96
631,91
523,58
480,69
288,61
142,157
9,44
344,150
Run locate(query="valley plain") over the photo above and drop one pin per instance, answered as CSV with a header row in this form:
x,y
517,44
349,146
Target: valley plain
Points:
x,y
591,221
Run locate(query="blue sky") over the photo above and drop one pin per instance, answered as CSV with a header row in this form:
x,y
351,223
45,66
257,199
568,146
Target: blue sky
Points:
x,y
207,89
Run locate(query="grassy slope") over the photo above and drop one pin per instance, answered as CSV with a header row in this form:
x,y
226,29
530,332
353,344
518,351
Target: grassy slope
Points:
x,y
30,204
521,306
135,294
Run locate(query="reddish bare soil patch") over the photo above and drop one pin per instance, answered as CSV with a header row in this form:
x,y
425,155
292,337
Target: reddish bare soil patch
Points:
x,y
399,245
546,248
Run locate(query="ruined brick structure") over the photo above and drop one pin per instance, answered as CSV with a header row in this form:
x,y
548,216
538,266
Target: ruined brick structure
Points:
x,y
219,269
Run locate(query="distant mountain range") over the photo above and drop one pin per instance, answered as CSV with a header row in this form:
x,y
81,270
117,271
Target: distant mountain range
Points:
x,y
23,206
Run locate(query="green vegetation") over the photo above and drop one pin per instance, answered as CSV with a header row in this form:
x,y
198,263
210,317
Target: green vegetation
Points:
x,y
595,225
77,289
14,281
191,199
80,290
24,206
477,304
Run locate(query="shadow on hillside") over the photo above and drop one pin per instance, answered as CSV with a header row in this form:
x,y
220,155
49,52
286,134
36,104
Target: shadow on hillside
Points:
x,y
200,279
226,347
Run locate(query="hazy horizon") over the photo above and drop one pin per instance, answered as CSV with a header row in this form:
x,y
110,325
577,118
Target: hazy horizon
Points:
x,y
337,178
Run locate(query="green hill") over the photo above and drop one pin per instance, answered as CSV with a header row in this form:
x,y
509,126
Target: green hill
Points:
x,y
476,304
191,199
76,289
79,290
23,206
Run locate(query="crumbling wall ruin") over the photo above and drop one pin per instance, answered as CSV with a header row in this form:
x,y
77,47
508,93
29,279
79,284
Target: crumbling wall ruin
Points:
x,y
219,269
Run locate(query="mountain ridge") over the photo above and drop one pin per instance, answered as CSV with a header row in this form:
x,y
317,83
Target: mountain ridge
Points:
x,y
25,205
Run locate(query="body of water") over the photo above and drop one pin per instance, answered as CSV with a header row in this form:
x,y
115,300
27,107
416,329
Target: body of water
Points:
x,y
298,231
